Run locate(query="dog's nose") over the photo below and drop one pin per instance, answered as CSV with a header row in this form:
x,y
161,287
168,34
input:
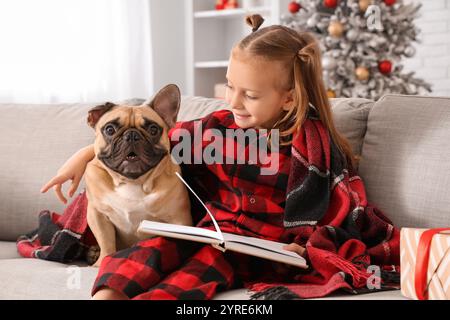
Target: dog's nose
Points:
x,y
132,135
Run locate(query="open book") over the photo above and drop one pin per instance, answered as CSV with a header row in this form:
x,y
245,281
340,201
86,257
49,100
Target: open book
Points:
x,y
261,248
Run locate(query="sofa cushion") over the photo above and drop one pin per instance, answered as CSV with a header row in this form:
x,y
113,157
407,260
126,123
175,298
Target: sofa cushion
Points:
x,y
8,250
244,294
35,141
197,107
350,117
25,279
405,163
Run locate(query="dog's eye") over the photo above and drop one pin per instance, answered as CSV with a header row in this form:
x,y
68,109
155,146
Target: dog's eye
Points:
x,y
153,129
110,130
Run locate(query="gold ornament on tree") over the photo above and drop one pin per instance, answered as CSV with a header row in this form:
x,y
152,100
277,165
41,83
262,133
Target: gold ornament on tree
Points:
x,y
364,4
362,73
331,94
336,29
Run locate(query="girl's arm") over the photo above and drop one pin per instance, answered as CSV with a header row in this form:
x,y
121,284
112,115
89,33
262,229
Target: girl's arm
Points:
x,y
73,169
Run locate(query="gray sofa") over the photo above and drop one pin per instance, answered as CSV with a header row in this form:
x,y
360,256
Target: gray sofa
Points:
x,y
404,142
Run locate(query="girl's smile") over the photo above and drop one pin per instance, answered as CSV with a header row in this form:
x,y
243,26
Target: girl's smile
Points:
x,y
240,117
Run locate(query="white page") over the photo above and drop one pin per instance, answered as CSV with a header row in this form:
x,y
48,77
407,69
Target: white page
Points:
x,y
207,210
175,228
261,243
266,254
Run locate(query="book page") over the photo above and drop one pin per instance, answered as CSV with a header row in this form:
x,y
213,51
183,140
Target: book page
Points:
x,y
152,227
219,232
296,260
216,243
261,243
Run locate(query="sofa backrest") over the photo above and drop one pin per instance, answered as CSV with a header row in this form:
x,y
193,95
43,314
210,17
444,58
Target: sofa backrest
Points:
x,y
405,160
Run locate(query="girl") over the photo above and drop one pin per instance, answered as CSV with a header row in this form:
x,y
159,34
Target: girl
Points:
x,y
274,82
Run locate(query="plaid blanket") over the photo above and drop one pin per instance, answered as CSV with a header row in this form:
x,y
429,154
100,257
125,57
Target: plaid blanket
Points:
x,y
61,238
350,244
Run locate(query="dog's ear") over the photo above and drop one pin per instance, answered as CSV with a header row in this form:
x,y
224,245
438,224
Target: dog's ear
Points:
x,y
166,104
97,112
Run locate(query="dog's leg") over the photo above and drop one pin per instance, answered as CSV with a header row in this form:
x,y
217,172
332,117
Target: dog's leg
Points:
x,y
104,233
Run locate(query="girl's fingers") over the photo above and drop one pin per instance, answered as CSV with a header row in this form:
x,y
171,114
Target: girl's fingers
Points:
x,y
60,194
74,186
50,184
57,182
295,248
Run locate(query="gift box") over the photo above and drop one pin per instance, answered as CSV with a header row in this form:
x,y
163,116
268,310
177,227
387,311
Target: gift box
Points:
x,y
425,263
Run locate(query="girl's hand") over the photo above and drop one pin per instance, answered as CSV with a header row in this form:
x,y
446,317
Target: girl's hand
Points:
x,y
295,248
283,268
73,170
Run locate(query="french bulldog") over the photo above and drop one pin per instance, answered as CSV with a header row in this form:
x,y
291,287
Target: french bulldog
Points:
x,y
132,177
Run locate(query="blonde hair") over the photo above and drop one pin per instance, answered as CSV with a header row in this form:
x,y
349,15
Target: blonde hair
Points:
x,y
300,55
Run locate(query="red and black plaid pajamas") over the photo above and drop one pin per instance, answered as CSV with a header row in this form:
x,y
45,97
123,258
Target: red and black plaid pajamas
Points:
x,y
243,202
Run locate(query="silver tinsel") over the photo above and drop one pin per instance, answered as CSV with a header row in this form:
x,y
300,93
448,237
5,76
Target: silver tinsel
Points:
x,y
363,43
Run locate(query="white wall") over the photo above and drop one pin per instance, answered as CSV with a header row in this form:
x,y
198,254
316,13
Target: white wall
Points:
x,y
432,60
168,21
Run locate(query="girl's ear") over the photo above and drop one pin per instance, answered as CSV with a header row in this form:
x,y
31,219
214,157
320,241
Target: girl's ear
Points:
x,y
288,100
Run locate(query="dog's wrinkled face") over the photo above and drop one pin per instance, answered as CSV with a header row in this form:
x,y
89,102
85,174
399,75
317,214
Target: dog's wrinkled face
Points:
x,y
131,141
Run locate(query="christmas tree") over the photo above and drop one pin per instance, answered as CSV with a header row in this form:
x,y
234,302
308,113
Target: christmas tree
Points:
x,y
362,43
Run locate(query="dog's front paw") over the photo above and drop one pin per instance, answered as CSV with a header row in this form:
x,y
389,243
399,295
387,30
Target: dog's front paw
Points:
x,y
92,255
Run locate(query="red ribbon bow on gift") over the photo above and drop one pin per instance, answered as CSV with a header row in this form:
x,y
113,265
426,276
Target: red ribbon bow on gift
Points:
x,y
423,256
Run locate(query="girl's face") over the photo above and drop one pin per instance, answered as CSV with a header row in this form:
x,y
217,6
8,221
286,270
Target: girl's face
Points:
x,y
254,92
